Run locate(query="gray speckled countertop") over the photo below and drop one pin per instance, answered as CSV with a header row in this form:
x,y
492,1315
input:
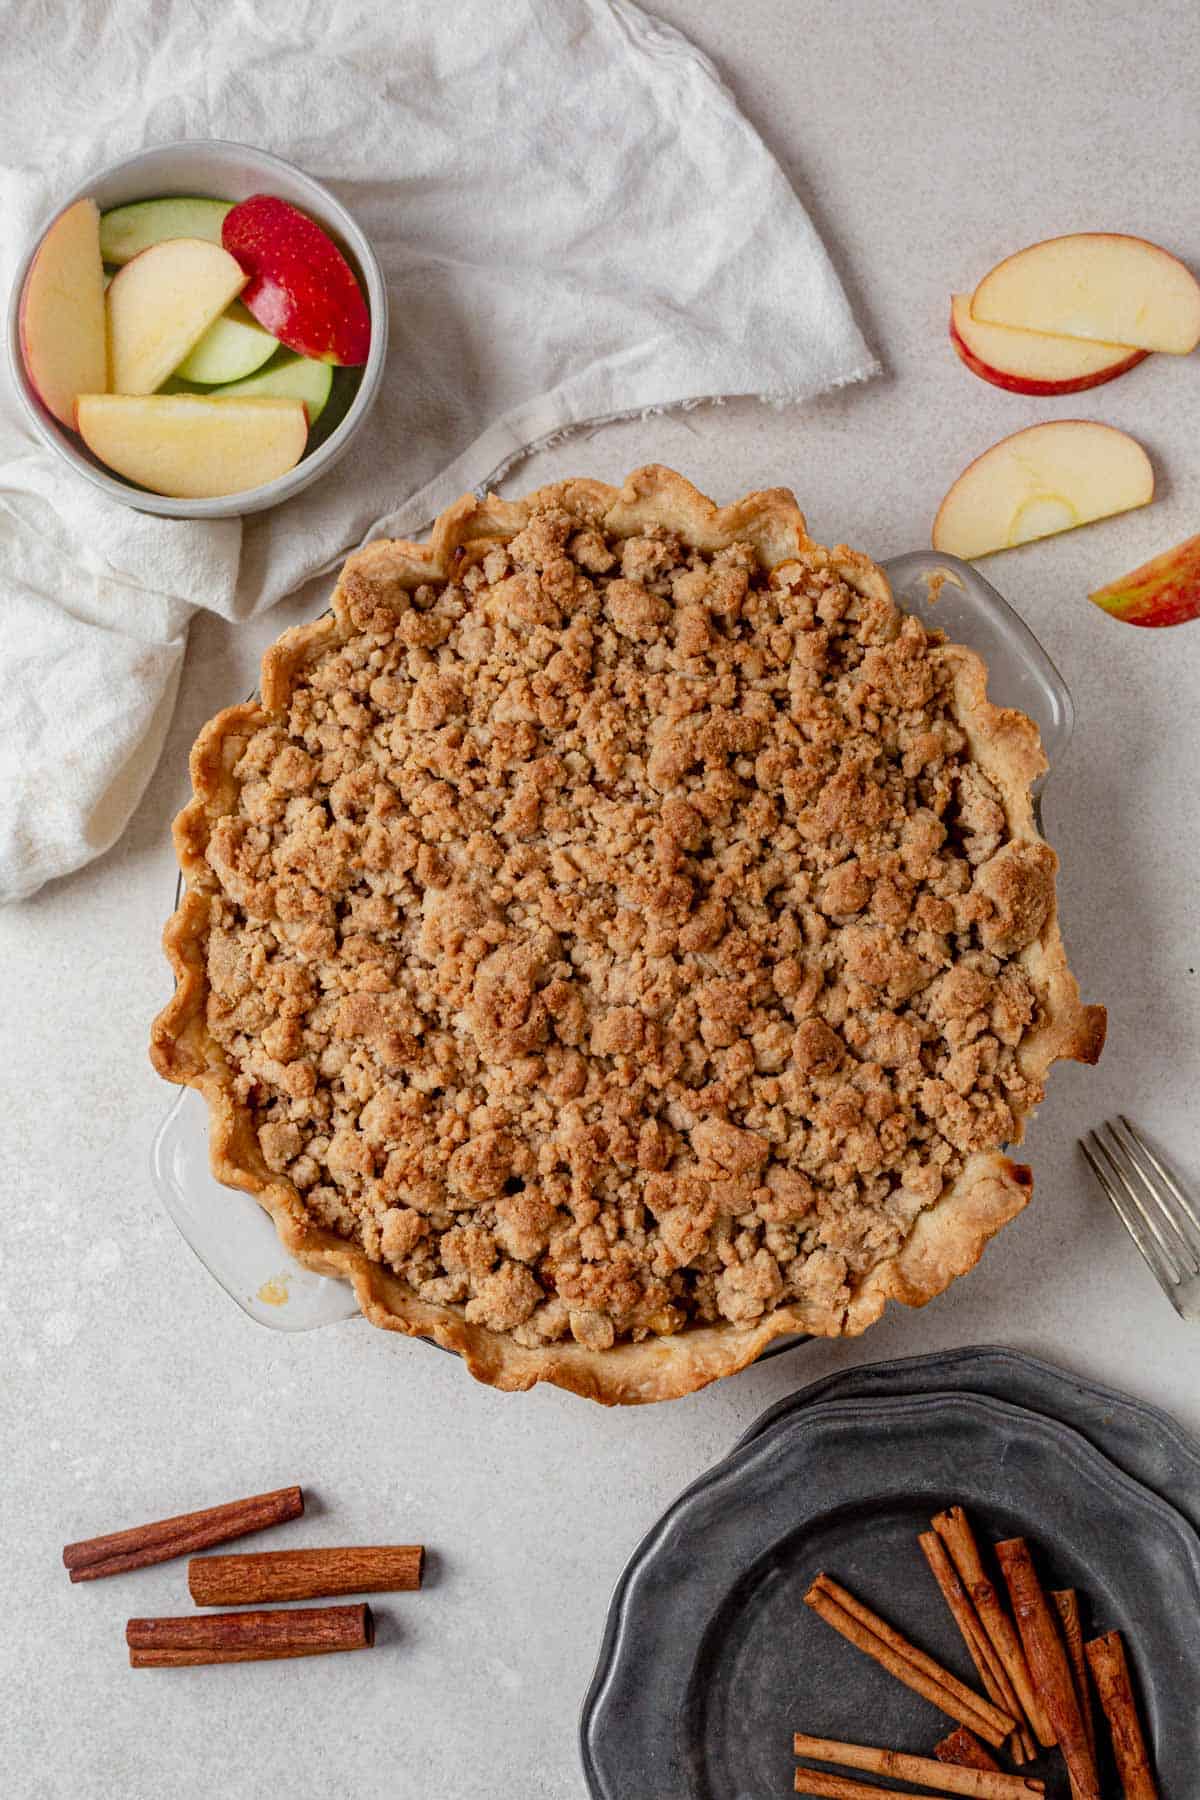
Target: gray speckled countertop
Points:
x,y
927,141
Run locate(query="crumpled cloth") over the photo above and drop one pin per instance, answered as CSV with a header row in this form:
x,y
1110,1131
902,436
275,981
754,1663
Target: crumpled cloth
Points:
x,y
575,222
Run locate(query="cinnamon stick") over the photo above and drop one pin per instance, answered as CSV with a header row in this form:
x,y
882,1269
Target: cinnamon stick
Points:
x,y
1038,1624
921,1769
994,1715
992,1672
869,1633
1066,1601
839,1787
1110,1672
954,1529
183,1643
271,1575
93,1558
964,1748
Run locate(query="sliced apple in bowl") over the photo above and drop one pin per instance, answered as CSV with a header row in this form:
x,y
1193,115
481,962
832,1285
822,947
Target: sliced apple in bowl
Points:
x,y
290,377
1163,591
1045,479
301,288
193,446
61,316
1100,285
125,231
161,304
1034,362
234,346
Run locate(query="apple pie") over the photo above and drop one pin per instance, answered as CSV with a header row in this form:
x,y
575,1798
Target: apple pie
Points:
x,y
619,937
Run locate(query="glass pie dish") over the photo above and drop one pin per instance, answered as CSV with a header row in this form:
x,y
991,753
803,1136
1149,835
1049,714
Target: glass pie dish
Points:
x,y
237,1242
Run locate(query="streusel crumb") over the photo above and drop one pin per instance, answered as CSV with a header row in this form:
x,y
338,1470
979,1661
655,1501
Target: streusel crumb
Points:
x,y
616,937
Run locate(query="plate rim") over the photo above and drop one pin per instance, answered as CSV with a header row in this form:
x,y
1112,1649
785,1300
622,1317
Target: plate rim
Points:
x,y
1096,1464
818,1392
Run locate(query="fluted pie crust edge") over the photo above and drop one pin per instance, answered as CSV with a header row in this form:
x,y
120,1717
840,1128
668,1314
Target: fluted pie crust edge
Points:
x,y
947,1239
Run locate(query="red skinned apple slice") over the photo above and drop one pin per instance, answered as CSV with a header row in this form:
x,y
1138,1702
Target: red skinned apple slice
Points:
x,y
191,446
161,303
1033,362
1045,479
61,320
301,288
1163,591
1099,285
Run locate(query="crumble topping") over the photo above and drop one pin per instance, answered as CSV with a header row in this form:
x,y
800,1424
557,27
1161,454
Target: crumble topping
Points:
x,y
616,937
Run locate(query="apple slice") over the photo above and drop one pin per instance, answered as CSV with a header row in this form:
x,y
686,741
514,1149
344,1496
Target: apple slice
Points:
x,y
1033,362
1095,284
301,288
162,303
61,316
190,446
1045,479
233,346
1163,591
128,230
290,378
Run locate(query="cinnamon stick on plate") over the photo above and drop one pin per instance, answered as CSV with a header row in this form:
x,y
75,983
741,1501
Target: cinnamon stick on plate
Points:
x,y
977,1784
992,1672
1066,1602
964,1748
872,1635
195,1638
164,1538
1110,1672
954,1529
840,1787
270,1575
1038,1624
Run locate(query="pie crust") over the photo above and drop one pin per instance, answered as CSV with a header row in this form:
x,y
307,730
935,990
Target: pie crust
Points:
x,y
1012,905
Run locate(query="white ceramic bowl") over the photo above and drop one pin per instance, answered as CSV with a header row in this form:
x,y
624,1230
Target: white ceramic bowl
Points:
x,y
230,172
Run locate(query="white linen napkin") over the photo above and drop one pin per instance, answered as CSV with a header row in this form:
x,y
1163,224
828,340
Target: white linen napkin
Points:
x,y
575,223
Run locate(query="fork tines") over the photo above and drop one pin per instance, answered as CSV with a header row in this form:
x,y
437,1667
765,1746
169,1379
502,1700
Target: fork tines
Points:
x,y
1162,1220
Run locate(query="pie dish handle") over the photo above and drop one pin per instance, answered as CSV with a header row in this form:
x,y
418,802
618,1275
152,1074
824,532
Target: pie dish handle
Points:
x,y
949,594
231,1234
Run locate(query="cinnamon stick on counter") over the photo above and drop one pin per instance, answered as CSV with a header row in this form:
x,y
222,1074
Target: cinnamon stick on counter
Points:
x,y
963,1747
1110,1672
977,1784
992,1672
1066,1602
270,1575
1038,1624
872,1635
954,1529
183,1643
158,1542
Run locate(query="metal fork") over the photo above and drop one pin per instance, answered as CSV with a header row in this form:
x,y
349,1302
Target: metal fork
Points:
x,y
1162,1220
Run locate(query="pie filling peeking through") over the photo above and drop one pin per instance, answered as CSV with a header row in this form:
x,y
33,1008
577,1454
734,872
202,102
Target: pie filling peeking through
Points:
x,y
619,937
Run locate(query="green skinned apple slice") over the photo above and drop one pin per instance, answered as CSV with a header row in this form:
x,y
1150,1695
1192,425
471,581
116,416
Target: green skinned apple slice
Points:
x,y
128,230
235,345
291,378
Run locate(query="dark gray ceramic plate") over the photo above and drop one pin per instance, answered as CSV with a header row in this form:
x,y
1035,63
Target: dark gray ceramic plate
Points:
x,y
1142,1440
711,1659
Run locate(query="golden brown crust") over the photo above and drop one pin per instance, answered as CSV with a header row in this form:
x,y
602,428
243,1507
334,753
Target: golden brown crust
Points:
x,y
1019,915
